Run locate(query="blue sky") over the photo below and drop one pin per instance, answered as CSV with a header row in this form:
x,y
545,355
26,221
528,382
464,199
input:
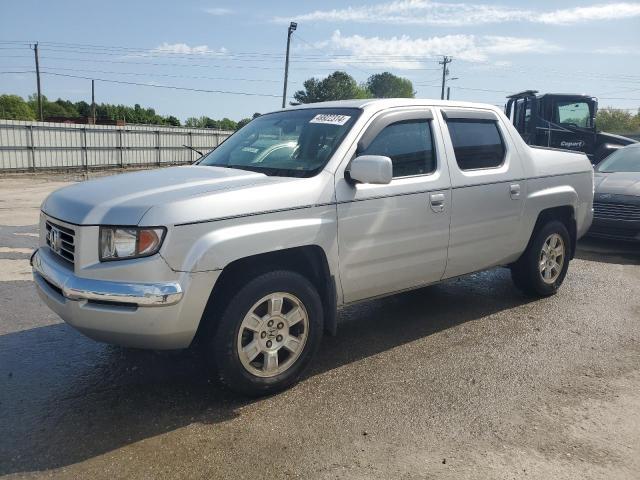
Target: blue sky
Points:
x,y
497,47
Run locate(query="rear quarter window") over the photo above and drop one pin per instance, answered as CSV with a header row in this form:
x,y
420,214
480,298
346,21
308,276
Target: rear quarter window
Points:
x,y
477,143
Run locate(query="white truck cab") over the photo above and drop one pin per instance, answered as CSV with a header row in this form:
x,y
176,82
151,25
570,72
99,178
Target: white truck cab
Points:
x,y
254,248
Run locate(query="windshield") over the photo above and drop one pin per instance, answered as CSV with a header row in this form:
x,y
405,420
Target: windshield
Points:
x,y
623,160
573,113
294,143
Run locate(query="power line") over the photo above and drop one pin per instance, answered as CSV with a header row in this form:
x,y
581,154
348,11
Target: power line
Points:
x,y
619,98
171,87
93,60
160,51
250,56
163,64
313,46
195,77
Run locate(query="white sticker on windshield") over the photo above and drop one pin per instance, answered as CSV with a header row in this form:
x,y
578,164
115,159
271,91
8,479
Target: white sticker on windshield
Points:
x,y
330,119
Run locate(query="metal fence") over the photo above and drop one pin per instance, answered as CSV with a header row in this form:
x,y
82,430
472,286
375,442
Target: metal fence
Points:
x,y
31,146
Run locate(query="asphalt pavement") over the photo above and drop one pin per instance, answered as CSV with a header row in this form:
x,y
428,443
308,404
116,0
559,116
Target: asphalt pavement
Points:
x,y
467,379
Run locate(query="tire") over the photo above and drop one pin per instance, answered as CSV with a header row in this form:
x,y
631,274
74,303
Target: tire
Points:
x,y
276,326
530,275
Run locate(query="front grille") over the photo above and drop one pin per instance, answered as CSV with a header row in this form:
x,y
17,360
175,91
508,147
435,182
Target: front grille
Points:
x,y
616,211
61,240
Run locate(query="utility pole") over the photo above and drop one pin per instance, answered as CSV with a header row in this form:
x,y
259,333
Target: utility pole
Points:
x,y
292,28
445,71
35,51
93,101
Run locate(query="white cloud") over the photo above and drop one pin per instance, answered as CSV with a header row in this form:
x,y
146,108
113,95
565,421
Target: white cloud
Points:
x,y
601,12
218,11
617,50
408,53
184,49
425,12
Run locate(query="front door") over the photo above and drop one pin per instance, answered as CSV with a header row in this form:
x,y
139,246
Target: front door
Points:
x,y
394,237
570,127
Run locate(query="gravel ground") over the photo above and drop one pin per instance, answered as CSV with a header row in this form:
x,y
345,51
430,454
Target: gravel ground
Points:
x,y
468,379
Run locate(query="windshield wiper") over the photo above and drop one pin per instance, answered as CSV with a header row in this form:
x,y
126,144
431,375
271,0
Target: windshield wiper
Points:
x,y
194,149
246,168
268,171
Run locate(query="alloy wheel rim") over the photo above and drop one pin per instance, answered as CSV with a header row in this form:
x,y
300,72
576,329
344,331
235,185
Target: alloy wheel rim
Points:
x,y
552,257
273,334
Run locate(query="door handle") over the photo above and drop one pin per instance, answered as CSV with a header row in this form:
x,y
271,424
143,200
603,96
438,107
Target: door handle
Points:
x,y
437,202
514,189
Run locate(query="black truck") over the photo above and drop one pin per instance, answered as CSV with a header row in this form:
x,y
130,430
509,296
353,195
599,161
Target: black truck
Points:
x,y
566,121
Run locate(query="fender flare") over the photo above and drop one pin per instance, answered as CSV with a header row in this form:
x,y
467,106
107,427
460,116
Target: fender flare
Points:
x,y
560,196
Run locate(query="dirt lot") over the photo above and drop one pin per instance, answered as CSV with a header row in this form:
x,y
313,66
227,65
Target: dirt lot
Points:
x,y
468,379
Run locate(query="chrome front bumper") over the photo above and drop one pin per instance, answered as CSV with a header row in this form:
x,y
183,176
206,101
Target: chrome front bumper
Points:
x,y
126,313
72,287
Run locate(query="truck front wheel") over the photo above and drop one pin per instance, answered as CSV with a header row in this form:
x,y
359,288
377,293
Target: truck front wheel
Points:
x,y
543,266
268,333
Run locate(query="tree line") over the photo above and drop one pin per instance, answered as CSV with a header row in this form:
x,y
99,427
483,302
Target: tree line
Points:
x,y
336,86
14,107
615,120
342,86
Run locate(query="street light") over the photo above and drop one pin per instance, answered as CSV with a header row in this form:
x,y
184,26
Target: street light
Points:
x,y
449,88
292,27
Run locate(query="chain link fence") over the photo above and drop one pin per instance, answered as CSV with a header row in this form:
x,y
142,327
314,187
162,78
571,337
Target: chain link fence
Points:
x,y
34,146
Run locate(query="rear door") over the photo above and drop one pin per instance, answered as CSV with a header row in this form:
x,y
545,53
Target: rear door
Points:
x,y
394,237
487,190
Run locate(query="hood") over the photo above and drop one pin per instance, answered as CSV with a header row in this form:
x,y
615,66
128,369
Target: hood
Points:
x,y
124,199
606,137
619,183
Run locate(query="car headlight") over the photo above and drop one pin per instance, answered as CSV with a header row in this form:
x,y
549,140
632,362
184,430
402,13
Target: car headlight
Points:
x,y
120,243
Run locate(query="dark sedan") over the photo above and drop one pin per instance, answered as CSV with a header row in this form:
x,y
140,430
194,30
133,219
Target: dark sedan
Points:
x,y
616,205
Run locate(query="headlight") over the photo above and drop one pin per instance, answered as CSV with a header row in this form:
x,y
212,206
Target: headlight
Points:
x,y
119,243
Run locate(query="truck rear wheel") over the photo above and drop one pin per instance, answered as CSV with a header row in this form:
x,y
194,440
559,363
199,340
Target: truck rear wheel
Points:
x,y
268,334
543,266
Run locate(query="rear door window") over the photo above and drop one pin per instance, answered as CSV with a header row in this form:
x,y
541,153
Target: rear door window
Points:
x,y
476,143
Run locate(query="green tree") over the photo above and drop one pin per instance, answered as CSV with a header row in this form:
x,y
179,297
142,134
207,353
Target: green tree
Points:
x,y
227,124
83,108
337,86
194,122
242,123
615,120
388,85
13,107
171,120
67,108
59,108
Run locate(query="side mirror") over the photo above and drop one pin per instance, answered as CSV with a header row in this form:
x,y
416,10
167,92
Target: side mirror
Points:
x,y
371,169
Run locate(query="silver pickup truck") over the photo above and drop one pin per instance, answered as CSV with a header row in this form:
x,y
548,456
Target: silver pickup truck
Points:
x,y
251,251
